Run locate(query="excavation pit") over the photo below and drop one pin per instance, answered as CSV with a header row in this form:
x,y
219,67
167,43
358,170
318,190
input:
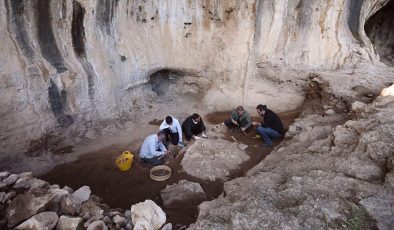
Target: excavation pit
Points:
x,y
123,189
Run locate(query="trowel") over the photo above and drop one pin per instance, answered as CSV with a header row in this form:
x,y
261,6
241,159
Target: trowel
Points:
x,y
240,145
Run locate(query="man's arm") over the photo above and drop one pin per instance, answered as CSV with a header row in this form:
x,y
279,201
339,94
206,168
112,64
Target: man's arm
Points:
x,y
249,122
188,128
163,125
234,117
267,121
153,150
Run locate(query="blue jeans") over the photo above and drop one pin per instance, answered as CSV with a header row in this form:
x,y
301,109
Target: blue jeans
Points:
x,y
266,133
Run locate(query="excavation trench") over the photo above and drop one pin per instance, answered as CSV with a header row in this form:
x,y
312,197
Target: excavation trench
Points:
x,y
123,189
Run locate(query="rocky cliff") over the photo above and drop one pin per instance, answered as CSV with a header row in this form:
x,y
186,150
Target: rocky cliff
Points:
x,y
84,68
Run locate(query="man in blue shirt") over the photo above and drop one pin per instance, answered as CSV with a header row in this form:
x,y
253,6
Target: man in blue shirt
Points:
x,y
152,150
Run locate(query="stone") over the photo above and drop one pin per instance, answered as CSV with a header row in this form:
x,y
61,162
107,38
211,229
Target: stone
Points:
x,y
119,220
11,179
93,219
330,112
25,206
168,226
210,159
69,206
182,191
68,222
381,209
2,195
43,220
90,207
59,194
147,215
97,225
82,194
54,186
3,186
9,196
4,175
32,183
107,220
70,190
26,175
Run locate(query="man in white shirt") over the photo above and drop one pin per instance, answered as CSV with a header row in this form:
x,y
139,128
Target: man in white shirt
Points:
x,y
152,150
172,129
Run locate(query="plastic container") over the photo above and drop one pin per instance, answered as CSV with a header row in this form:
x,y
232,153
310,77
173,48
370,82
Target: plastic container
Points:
x,y
124,161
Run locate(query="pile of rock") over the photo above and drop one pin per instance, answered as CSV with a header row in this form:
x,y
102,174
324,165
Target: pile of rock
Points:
x,y
332,172
30,203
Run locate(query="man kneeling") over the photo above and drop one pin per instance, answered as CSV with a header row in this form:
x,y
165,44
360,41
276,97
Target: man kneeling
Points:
x,y
153,150
271,127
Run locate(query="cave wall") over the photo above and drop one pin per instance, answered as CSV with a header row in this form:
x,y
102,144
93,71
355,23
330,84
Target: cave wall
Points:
x,y
67,63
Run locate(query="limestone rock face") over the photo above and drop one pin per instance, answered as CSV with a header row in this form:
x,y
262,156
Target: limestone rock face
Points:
x,y
212,159
81,69
339,179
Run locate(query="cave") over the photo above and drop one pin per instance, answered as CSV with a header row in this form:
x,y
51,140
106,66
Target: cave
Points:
x,y
380,30
83,84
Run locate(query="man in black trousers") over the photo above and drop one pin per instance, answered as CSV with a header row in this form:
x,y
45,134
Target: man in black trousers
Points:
x,y
271,127
193,126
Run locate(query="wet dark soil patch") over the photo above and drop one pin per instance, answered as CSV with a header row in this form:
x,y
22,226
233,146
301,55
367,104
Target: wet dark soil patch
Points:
x,y
123,189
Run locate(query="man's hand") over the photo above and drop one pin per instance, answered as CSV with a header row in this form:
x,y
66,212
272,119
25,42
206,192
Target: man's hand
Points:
x,y
204,136
255,123
243,129
234,121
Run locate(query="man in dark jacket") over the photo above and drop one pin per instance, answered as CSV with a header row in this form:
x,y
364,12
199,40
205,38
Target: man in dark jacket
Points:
x,y
239,118
193,126
271,127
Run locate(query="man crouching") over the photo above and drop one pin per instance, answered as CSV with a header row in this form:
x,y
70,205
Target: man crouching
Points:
x,y
153,150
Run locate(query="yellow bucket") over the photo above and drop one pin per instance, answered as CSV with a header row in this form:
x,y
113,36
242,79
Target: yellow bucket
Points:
x,y
124,161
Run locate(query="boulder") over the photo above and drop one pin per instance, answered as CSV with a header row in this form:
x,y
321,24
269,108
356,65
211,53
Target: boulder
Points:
x,y
92,219
210,159
82,194
43,220
120,220
32,183
69,206
97,225
2,195
26,175
147,215
67,222
4,175
92,208
9,196
181,191
167,227
25,206
59,194
11,179
3,186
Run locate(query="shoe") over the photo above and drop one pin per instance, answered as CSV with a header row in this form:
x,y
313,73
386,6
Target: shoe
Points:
x,y
266,145
181,144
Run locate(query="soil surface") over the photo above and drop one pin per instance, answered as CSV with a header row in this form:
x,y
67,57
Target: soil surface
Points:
x,y
123,189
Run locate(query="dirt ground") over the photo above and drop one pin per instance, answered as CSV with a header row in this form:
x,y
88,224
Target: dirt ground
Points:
x,y
123,189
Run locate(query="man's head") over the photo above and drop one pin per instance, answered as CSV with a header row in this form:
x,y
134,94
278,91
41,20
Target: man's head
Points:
x,y
161,136
240,110
196,118
261,109
169,120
